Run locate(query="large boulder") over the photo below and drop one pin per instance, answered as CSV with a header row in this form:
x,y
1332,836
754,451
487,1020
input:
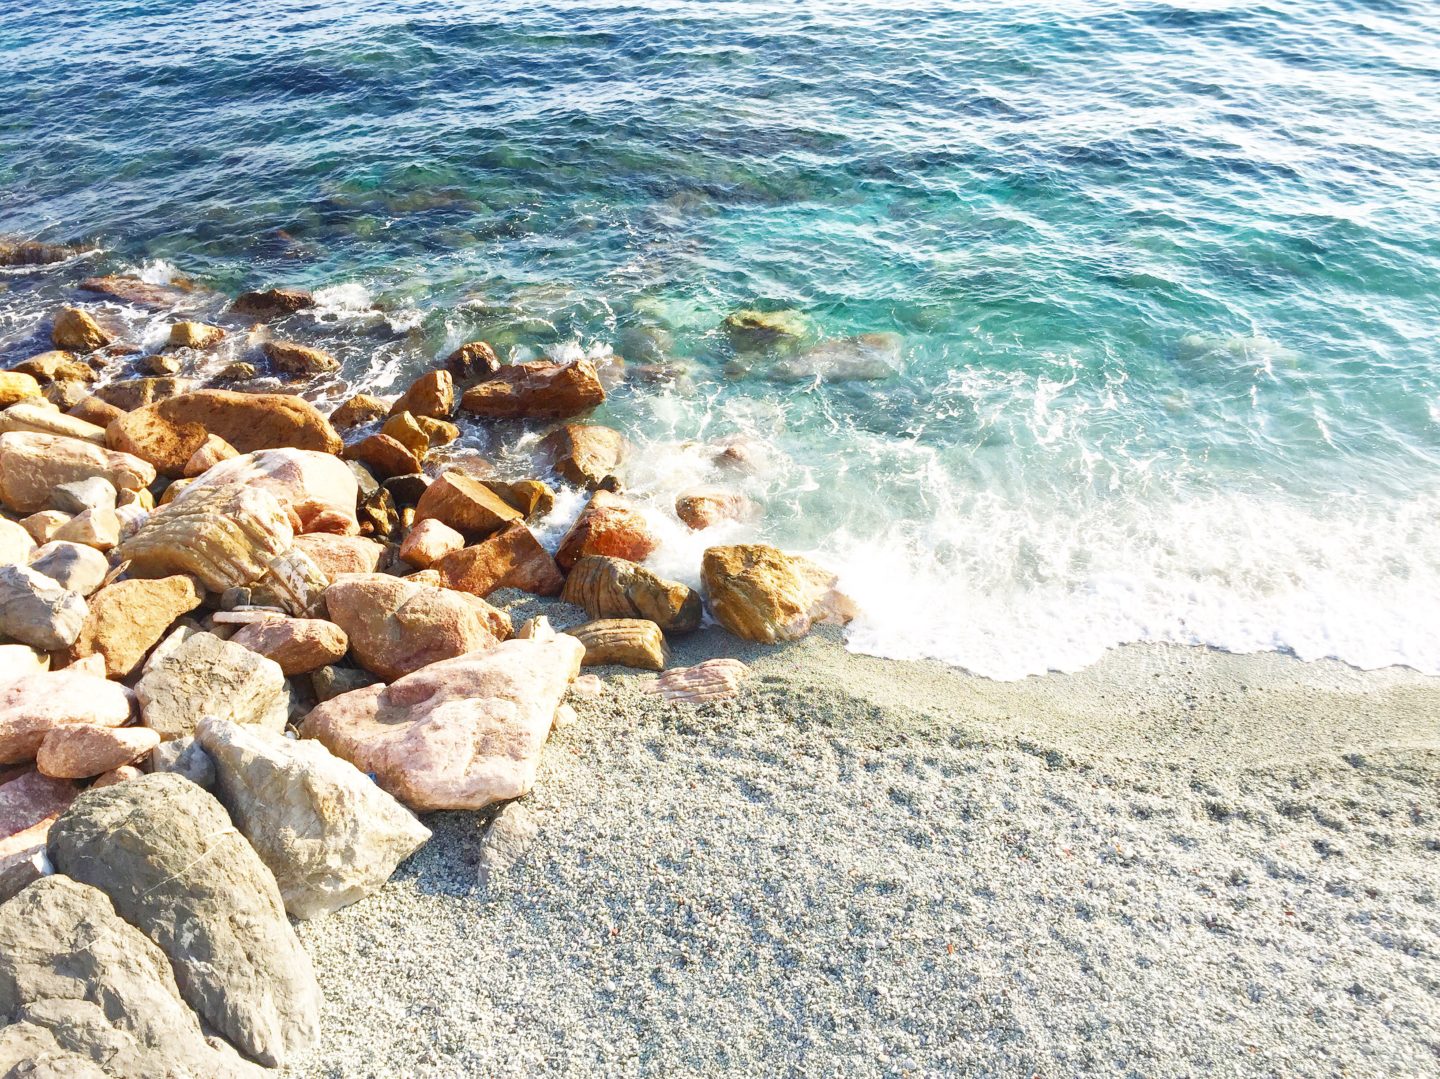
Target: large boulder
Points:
x,y
460,734
327,832
763,594
227,536
540,390
32,706
583,453
298,645
128,618
86,994
32,465
35,610
318,488
167,855
203,675
337,555
167,433
511,558
397,626
608,525
617,588
466,505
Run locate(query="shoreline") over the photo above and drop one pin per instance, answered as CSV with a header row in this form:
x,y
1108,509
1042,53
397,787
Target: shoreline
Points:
x,y
882,867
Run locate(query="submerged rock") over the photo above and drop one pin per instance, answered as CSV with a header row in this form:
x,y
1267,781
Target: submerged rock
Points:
x,y
754,331
327,832
297,359
274,302
763,594
867,357
33,253
133,290
540,390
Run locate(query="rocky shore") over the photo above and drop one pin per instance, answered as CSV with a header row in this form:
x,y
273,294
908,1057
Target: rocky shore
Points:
x,y
245,642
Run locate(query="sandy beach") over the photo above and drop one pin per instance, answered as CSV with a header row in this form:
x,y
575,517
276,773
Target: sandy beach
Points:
x,y
1177,862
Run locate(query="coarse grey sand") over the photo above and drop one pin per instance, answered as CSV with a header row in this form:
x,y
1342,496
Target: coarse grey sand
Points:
x,y
1175,863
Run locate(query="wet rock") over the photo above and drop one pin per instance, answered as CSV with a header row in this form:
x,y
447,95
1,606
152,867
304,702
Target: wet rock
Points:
x,y
626,642
33,253
184,757
167,433
583,453
35,610
327,832
166,854
755,331
437,432
272,303
317,488
57,366
196,335
404,429
44,419
77,331
160,364
384,456
32,465
407,490
432,394
707,507
32,706
298,645
867,357
608,525
236,371
131,393
205,676
616,588
359,409
472,362
74,567
466,505
227,536
428,542
540,390
533,498
79,751
17,386
337,555
133,290
128,618
89,995
297,359
64,395
396,626
510,558
763,594
460,734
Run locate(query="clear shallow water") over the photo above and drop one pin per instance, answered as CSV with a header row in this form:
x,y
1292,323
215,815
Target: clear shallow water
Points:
x,y
1165,277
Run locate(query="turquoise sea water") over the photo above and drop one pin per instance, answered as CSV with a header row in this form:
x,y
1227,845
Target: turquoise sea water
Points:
x,y
1163,278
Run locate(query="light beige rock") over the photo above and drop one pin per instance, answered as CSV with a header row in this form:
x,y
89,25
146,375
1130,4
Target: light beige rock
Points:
x,y
712,680
18,661
626,642
460,734
326,831
74,567
82,751
211,452
318,488
43,525
396,626
31,416
128,618
33,464
195,335
98,528
118,775
763,594
32,706
428,542
17,543
299,645
203,675
77,331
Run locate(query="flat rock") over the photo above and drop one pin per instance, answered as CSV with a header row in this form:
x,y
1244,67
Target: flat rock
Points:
x,y
73,566
206,676
327,832
712,680
136,291
540,390
272,302
396,626
294,358
196,335
35,610
32,706
763,594
81,751
32,465
128,618
34,416
339,555
167,855
510,558
608,525
298,645
617,588
459,734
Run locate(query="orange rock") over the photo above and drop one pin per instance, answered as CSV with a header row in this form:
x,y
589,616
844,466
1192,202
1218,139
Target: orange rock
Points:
x,y
533,498
211,452
383,455
272,302
583,453
194,335
406,430
428,542
297,359
466,505
77,330
706,507
432,394
763,594
540,390
511,558
78,752
360,409
471,362
608,525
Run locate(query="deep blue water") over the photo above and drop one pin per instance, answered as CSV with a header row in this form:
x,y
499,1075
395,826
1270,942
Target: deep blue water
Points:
x,y
1163,279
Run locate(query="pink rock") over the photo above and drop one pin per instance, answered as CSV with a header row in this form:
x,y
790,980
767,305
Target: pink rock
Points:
x,y
396,626
117,775
299,645
337,555
317,487
712,680
38,703
30,799
428,542
608,525
460,734
79,752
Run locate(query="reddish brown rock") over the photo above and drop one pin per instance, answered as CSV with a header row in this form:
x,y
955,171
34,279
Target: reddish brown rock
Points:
x,y
428,542
128,618
93,410
763,594
466,505
540,390
432,394
510,558
608,525
29,798
396,626
707,507
583,453
359,409
297,359
273,302
383,455
533,498
472,362
32,706
78,331
338,555
195,335
135,291
299,645
167,433
82,752
58,366
33,253
614,588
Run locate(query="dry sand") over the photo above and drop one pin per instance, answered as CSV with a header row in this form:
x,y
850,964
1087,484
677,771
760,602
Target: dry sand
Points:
x,y
1176,863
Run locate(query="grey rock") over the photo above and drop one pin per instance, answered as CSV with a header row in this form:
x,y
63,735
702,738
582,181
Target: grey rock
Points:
x,y
167,855
206,676
510,834
327,832
21,869
35,610
94,493
332,681
73,566
85,994
184,757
